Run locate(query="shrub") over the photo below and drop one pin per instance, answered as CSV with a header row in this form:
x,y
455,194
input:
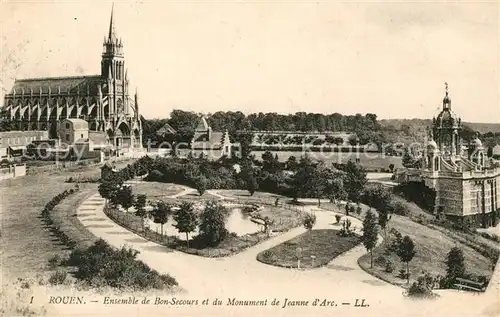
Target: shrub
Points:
x,y
102,265
309,221
423,287
58,277
389,266
358,209
455,263
398,207
155,175
338,218
346,230
268,254
380,260
403,274
54,261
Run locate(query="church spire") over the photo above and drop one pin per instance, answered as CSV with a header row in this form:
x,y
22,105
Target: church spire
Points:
x,y
112,30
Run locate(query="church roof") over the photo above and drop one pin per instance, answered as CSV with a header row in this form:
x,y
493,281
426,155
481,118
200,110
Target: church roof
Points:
x,y
166,129
202,125
54,85
202,141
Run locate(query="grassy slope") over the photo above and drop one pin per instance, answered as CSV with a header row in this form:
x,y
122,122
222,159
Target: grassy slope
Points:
x,y
431,246
325,244
26,244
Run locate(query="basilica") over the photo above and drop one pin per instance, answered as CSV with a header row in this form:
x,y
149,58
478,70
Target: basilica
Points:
x,y
103,101
467,185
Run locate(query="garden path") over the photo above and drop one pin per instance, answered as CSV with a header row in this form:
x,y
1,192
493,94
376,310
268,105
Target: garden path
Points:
x,y
243,277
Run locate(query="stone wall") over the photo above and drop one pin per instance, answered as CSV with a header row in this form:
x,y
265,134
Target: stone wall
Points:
x,y
450,195
12,171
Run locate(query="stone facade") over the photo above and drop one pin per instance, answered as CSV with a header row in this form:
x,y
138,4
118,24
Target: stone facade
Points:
x,y
467,187
103,100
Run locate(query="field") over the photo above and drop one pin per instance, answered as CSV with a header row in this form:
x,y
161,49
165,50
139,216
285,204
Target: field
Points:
x,y
324,244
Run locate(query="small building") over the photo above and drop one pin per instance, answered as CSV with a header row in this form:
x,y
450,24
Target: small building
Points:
x,y
211,144
14,143
73,130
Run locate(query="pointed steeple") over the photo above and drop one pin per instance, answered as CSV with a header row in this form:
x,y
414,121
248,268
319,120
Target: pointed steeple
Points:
x,y
112,31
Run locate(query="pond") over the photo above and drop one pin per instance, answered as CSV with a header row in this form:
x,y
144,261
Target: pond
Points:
x,y
240,223
237,221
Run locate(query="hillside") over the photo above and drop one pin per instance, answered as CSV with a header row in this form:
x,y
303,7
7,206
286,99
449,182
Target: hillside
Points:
x,y
398,123
414,130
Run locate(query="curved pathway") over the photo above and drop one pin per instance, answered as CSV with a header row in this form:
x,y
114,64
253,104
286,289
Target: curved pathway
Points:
x,y
242,276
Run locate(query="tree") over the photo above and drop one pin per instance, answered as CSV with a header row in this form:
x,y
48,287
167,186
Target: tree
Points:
x,y
125,197
186,219
355,180
201,184
213,223
161,212
270,163
383,219
391,167
140,208
455,263
109,187
406,252
291,163
370,234
252,184
335,188
302,179
408,161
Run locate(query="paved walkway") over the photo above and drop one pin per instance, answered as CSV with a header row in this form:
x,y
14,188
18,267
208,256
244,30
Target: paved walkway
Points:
x,y
243,276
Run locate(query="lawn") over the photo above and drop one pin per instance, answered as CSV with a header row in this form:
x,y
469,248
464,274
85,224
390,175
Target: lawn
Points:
x,y
431,246
64,215
25,243
156,190
324,244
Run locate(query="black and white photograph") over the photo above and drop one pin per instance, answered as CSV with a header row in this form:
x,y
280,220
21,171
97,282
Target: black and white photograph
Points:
x,y
249,158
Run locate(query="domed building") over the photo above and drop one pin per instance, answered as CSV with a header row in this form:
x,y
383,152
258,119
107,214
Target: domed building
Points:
x,y
467,188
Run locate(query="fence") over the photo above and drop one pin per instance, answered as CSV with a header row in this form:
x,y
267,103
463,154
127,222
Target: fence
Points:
x,y
135,224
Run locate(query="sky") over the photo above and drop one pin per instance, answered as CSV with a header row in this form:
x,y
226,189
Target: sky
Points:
x,y
387,58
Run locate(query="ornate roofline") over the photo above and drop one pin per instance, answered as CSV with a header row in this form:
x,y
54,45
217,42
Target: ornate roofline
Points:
x,y
59,77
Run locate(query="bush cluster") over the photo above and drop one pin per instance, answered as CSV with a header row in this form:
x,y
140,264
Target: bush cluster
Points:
x,y
55,229
101,265
83,179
